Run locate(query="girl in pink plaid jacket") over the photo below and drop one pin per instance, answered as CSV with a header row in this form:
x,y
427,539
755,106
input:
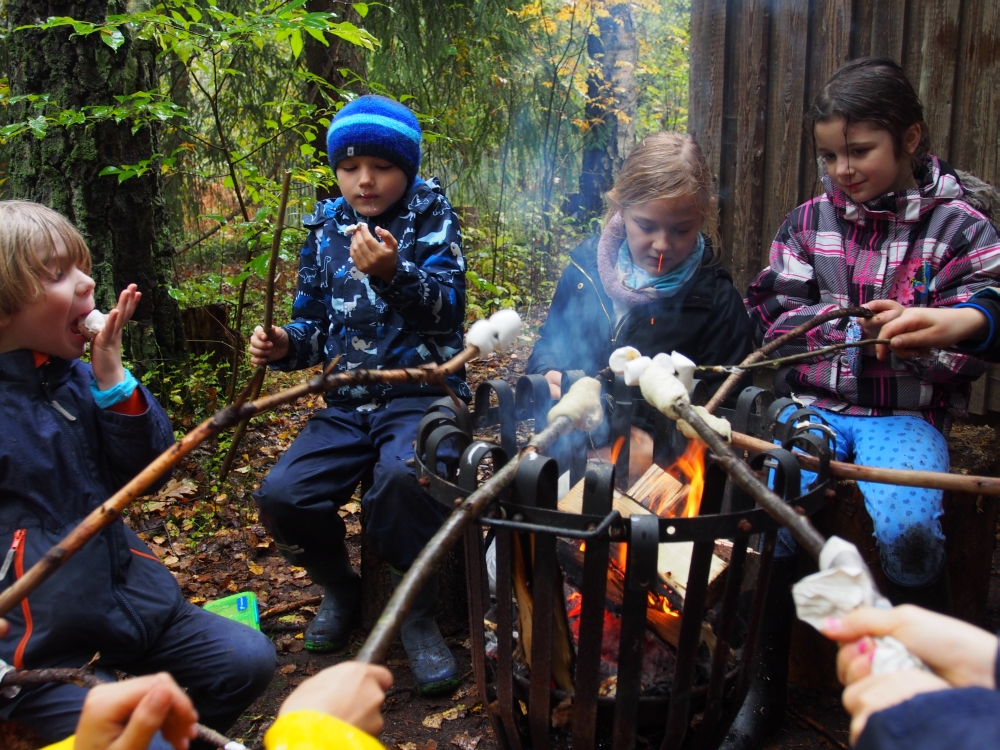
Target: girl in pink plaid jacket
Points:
x,y
891,231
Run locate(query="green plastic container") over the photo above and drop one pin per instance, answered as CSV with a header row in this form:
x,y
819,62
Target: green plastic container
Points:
x,y
241,607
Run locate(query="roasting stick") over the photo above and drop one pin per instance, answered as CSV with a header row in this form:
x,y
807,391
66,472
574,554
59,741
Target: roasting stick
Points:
x,y
258,377
729,383
581,409
500,329
843,582
934,480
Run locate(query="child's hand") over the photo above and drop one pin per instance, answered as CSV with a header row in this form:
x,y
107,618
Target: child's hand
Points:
x,y
554,378
106,347
352,692
126,715
878,692
264,348
373,257
871,328
919,329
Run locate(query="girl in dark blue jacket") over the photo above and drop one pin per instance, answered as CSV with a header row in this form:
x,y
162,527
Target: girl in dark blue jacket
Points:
x,y
652,280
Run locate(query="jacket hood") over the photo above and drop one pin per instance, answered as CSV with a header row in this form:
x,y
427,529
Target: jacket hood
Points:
x,y
937,183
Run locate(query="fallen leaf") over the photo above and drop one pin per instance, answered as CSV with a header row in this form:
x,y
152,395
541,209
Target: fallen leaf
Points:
x,y
433,721
301,573
465,691
465,742
170,561
288,669
255,568
425,745
295,646
159,539
352,507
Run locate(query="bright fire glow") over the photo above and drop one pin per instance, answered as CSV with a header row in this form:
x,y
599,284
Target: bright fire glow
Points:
x,y
655,601
617,449
691,466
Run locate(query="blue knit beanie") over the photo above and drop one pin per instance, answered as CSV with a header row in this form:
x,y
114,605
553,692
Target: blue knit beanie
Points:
x,y
373,125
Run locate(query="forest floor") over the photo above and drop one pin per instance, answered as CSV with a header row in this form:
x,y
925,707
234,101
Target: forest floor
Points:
x,y
214,545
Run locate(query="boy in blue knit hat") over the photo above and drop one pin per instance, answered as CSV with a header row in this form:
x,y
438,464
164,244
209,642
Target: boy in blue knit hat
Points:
x,y
381,286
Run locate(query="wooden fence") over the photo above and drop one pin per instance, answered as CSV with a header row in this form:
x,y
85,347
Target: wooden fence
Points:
x,y
756,64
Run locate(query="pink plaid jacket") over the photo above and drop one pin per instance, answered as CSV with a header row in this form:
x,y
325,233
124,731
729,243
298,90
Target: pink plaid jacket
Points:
x,y
919,247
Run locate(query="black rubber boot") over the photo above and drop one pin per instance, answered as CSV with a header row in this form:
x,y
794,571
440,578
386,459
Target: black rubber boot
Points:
x,y
331,628
432,664
935,596
764,707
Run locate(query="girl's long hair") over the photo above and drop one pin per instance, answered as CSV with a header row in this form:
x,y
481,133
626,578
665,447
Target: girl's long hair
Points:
x,y
877,91
667,165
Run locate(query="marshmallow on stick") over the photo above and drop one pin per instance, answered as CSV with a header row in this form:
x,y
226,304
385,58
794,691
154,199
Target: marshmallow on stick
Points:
x,y
582,404
93,324
498,332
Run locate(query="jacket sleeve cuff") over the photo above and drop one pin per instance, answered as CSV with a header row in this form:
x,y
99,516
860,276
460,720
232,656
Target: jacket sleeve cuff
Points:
x,y
975,347
314,730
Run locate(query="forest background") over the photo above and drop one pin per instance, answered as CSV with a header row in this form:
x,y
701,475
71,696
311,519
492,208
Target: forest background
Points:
x,y
162,131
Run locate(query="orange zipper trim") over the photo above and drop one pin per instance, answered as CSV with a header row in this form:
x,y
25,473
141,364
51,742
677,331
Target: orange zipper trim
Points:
x,y
143,554
18,545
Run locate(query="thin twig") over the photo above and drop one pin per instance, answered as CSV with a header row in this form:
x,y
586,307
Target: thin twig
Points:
x,y
281,609
800,357
813,724
110,510
731,382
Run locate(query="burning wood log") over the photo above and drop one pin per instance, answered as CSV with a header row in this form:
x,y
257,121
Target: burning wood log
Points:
x,y
659,493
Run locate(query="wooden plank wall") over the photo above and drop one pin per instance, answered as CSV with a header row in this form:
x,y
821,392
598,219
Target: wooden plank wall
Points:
x,y
756,64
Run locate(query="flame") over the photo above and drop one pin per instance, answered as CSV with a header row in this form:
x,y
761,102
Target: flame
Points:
x,y
575,600
617,449
690,466
583,546
655,601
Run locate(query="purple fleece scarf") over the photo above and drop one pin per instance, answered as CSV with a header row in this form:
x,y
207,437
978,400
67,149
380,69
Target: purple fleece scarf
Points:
x,y
607,262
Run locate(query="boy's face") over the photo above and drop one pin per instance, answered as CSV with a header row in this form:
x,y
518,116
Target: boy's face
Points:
x,y
369,184
50,323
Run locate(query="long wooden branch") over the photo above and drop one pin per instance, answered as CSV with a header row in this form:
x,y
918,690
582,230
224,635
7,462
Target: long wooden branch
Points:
x,y
731,382
787,360
934,480
391,619
258,377
226,418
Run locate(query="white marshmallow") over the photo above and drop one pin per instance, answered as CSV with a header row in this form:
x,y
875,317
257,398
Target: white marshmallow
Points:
x,y
634,369
352,228
719,424
620,357
582,404
662,389
664,361
93,324
483,336
507,324
684,368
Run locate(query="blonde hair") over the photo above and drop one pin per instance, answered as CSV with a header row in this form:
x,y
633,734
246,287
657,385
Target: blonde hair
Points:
x,y
27,249
667,165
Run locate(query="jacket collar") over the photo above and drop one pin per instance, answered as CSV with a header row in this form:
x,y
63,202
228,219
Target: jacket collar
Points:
x,y
19,366
418,198
936,183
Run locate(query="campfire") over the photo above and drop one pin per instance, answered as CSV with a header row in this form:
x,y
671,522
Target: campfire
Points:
x,y
614,614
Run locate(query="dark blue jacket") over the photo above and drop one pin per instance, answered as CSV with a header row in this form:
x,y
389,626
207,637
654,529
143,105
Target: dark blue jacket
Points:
x,y
60,457
706,322
415,320
959,719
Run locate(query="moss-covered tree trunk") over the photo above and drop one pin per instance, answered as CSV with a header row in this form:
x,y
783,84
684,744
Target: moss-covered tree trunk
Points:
x,y
122,223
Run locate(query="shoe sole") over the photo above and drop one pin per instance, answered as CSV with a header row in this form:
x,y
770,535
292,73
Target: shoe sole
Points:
x,y
436,688
323,646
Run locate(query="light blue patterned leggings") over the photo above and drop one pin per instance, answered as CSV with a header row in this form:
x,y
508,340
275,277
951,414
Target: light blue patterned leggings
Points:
x,y
907,519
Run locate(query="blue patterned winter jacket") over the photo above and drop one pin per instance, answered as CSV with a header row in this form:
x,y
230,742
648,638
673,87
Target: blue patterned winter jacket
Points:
x,y
415,320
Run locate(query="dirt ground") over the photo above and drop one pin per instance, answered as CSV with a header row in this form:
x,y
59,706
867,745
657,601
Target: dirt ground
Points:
x,y
210,562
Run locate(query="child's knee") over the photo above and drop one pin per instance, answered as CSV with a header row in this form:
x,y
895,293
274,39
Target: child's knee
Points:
x,y
912,555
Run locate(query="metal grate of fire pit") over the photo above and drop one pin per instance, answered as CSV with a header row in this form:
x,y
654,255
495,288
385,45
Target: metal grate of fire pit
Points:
x,y
520,702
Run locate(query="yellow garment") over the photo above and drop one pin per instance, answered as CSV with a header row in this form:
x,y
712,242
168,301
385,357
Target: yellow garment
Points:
x,y
66,744
313,730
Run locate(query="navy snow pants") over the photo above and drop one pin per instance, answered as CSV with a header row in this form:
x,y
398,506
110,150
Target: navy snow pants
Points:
x,y
319,473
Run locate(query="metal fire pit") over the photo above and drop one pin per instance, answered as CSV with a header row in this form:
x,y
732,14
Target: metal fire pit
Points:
x,y
690,716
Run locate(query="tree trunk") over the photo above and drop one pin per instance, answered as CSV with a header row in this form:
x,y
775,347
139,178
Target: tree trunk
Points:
x,y
611,104
123,224
326,62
